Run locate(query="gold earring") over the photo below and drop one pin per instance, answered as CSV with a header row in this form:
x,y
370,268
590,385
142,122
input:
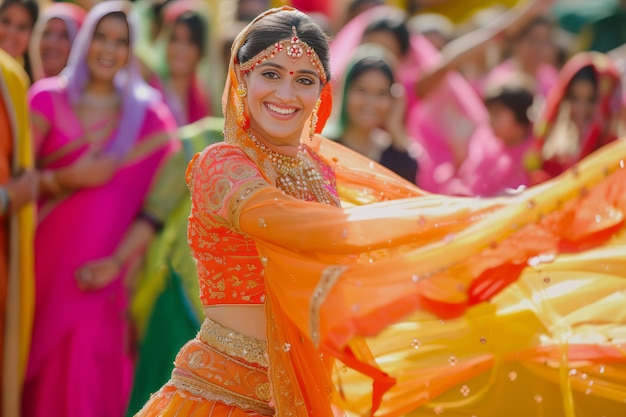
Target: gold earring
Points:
x,y
241,92
314,119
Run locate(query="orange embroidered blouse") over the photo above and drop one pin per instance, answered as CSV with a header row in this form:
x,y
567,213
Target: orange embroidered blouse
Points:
x,y
220,178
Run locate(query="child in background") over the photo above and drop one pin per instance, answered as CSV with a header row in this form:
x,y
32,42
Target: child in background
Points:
x,y
509,104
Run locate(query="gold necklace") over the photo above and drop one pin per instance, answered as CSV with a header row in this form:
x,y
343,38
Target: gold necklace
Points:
x,y
299,176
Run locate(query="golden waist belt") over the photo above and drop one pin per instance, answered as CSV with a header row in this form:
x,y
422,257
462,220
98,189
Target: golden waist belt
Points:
x,y
223,365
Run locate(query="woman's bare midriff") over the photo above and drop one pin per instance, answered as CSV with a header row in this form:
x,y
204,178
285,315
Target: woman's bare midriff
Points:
x,y
246,319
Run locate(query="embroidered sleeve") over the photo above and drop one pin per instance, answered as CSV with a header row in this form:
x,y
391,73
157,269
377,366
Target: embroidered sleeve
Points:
x,y
220,179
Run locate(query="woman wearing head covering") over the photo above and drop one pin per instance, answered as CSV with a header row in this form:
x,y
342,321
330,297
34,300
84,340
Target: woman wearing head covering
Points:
x,y
580,115
18,189
183,46
52,38
17,19
370,119
100,135
291,282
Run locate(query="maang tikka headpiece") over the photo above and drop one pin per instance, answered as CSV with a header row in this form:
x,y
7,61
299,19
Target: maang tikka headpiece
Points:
x,y
294,48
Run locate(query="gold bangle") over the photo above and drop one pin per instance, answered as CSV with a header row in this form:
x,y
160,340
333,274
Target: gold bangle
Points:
x,y
50,180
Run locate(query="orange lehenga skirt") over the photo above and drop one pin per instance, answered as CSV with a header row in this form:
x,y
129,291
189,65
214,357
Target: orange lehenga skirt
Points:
x,y
220,373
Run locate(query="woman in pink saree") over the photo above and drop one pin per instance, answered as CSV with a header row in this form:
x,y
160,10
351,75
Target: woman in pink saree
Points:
x,y
460,153
100,135
182,50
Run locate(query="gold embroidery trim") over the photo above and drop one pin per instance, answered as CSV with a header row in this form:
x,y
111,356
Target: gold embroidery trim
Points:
x,y
233,344
242,193
329,278
185,381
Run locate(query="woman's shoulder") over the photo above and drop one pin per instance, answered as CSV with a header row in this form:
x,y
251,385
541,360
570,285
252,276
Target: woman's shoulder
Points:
x,y
221,159
158,116
217,153
223,148
47,87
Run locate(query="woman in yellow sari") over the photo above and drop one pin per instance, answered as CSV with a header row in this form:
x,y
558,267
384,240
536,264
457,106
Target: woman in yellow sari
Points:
x,y
292,284
18,185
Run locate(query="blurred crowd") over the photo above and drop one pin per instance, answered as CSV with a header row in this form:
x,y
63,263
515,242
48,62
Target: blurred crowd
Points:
x,y
475,98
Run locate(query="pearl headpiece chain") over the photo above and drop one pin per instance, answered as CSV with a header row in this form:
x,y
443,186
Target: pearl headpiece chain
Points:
x,y
294,47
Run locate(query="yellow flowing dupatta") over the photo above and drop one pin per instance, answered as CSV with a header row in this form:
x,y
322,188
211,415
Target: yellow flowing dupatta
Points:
x,y
337,277
20,285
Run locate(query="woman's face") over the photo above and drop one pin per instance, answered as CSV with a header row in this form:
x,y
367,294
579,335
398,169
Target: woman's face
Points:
x,y
182,54
536,47
368,100
54,47
281,96
582,99
16,26
109,49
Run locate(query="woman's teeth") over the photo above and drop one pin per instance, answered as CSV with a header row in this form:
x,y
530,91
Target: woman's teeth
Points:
x,y
280,110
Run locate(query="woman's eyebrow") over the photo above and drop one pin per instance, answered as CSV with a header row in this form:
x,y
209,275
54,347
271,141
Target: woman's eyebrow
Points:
x,y
278,66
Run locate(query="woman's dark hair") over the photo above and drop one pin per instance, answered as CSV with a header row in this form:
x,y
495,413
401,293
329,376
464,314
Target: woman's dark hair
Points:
x,y
355,7
197,29
587,73
514,96
369,63
276,27
156,10
32,7
395,24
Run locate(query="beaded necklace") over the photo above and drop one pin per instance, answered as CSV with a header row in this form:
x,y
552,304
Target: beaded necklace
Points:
x,y
298,176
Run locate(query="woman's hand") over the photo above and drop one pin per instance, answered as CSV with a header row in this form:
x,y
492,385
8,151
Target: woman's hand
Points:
x,y
395,124
397,112
22,189
98,274
90,170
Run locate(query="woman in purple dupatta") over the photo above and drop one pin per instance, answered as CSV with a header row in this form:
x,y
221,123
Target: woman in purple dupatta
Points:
x,y
100,135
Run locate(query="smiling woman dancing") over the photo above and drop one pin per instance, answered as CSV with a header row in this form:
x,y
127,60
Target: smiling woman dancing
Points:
x,y
290,282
